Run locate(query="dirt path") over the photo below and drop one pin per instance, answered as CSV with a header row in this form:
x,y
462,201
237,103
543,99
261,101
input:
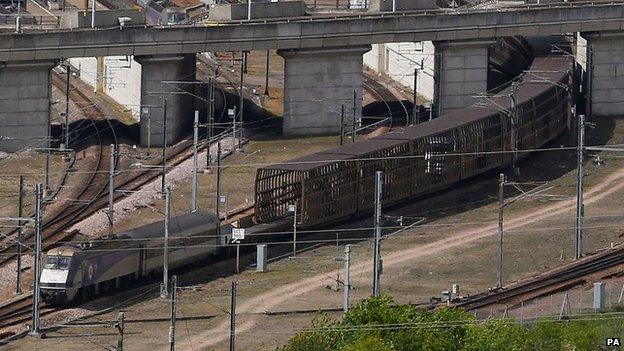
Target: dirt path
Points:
x,y
279,295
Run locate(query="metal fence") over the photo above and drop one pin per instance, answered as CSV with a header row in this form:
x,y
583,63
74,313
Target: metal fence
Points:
x,y
581,301
10,21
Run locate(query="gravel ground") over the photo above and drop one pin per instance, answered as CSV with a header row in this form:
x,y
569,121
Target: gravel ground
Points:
x,y
7,272
97,224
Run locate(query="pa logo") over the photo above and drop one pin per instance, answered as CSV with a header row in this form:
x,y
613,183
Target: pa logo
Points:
x,y
613,342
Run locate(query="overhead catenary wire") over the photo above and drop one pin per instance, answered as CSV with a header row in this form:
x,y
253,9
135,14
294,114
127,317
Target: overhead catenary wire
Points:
x,y
305,242
261,164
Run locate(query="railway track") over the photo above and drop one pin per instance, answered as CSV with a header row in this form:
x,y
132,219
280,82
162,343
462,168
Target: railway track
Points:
x,y
383,94
557,280
20,311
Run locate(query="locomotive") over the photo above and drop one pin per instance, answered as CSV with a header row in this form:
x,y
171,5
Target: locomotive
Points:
x,y
70,271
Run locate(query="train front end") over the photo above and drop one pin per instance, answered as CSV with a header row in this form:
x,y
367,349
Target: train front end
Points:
x,y
57,283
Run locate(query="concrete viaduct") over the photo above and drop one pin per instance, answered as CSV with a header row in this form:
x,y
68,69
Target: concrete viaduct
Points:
x,y
323,59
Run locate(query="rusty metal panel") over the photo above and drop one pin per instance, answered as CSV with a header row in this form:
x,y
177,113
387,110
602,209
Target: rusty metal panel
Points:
x,y
338,183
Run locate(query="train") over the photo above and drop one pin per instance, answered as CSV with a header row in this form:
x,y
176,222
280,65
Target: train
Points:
x,y
337,184
81,271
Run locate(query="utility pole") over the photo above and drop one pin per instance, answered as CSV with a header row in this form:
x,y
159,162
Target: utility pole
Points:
x,y
37,273
237,258
18,20
68,69
195,165
249,10
377,250
431,111
353,129
233,318
415,117
241,99
20,239
342,126
165,284
266,77
346,283
120,329
145,114
514,123
232,113
172,323
209,121
46,184
218,190
580,208
164,145
589,98
111,190
501,206
92,13
294,210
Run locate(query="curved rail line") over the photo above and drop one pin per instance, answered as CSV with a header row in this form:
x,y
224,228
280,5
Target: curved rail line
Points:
x,y
384,95
557,280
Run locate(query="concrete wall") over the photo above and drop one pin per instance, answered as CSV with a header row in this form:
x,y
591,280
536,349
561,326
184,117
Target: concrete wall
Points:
x,y
180,107
316,84
123,82
461,71
26,89
121,79
103,19
259,9
606,62
401,5
398,61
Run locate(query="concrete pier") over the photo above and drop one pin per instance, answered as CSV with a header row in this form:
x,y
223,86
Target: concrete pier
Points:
x,y
605,72
25,92
317,83
155,70
461,72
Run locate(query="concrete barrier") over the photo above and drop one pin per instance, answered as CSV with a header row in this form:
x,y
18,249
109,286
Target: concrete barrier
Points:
x,y
401,5
259,9
103,19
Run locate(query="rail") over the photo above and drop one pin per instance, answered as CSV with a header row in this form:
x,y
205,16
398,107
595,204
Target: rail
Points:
x,y
561,278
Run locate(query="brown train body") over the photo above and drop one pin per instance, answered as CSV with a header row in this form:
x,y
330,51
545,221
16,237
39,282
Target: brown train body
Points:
x,y
337,184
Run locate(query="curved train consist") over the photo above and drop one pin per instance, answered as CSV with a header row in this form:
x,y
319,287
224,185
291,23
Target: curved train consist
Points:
x,y
336,184
509,57
132,255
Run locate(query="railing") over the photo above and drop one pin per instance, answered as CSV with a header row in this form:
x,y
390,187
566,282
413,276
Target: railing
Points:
x,y
29,21
328,5
354,15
